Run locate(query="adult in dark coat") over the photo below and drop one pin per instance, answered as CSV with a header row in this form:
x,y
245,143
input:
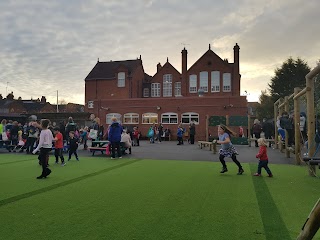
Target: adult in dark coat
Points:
x,y
267,128
114,137
192,131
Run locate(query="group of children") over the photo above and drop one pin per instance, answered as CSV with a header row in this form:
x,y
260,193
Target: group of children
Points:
x,y
45,146
228,150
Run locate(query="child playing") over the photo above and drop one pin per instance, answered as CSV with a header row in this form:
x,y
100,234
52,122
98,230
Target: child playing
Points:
x,y
45,146
58,146
262,155
227,149
73,145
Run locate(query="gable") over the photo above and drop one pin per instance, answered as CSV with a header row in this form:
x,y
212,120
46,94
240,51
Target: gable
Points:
x,y
210,60
166,69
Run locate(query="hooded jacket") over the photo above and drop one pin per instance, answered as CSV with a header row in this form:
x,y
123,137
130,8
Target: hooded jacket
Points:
x,y
115,131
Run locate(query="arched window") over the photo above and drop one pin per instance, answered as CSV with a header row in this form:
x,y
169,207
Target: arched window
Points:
x,y
190,117
121,79
130,118
149,118
169,118
109,116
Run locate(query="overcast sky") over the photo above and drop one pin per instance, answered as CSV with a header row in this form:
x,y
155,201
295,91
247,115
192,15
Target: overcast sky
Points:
x,y
47,46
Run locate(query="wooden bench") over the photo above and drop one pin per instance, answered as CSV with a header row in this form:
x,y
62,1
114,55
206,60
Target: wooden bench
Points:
x,y
212,146
255,139
97,149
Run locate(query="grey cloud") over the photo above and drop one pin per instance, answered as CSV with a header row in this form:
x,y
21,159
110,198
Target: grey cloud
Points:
x,y
51,45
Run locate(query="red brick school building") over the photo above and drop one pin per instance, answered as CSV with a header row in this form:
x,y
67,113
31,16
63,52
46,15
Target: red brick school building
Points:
x,y
210,87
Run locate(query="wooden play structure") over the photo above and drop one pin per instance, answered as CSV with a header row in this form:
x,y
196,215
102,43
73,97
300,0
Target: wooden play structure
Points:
x,y
283,105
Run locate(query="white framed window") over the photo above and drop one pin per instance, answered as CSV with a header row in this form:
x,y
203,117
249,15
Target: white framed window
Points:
x,y
149,118
169,118
190,117
109,116
204,81
121,79
90,104
215,81
146,92
155,89
177,89
167,85
227,82
193,83
130,118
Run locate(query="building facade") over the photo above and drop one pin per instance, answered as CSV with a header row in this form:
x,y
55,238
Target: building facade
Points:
x,y
210,87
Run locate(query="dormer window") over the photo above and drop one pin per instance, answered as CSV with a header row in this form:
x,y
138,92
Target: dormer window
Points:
x,y
121,79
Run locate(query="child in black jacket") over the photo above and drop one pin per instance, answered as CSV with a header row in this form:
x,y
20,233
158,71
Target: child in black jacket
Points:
x,y
73,145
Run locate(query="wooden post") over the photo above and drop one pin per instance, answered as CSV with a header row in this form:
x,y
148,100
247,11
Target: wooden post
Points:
x,y
249,130
227,120
297,134
312,224
275,112
286,148
207,128
311,123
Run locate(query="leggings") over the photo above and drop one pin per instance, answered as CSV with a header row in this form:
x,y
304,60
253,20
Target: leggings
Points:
x,y
234,159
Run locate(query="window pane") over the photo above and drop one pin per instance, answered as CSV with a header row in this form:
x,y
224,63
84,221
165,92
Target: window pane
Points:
x,y
169,118
167,85
111,115
215,81
204,81
227,82
190,117
149,118
155,90
146,92
177,89
121,79
130,118
193,83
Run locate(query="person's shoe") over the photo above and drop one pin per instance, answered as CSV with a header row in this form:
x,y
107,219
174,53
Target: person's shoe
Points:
x,y
112,158
69,159
40,177
224,170
270,175
120,157
77,159
63,164
48,171
240,171
257,175
56,162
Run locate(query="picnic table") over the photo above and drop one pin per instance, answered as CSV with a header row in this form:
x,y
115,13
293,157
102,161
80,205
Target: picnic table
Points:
x,y
99,146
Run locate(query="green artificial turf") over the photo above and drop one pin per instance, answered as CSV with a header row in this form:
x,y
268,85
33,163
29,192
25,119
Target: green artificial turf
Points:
x,y
100,198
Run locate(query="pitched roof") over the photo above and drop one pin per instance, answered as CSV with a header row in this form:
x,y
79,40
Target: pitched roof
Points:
x,y
214,55
163,68
107,70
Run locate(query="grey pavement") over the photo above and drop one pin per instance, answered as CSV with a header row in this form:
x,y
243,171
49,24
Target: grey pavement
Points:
x,y
169,150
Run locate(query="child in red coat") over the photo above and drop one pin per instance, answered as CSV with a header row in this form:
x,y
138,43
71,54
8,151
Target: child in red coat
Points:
x,y
262,155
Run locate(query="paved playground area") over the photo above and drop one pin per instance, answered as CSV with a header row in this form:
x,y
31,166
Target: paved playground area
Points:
x,y
169,150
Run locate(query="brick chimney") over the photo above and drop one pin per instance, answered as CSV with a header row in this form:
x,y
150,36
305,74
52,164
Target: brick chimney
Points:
x,y
184,82
236,71
43,99
158,67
